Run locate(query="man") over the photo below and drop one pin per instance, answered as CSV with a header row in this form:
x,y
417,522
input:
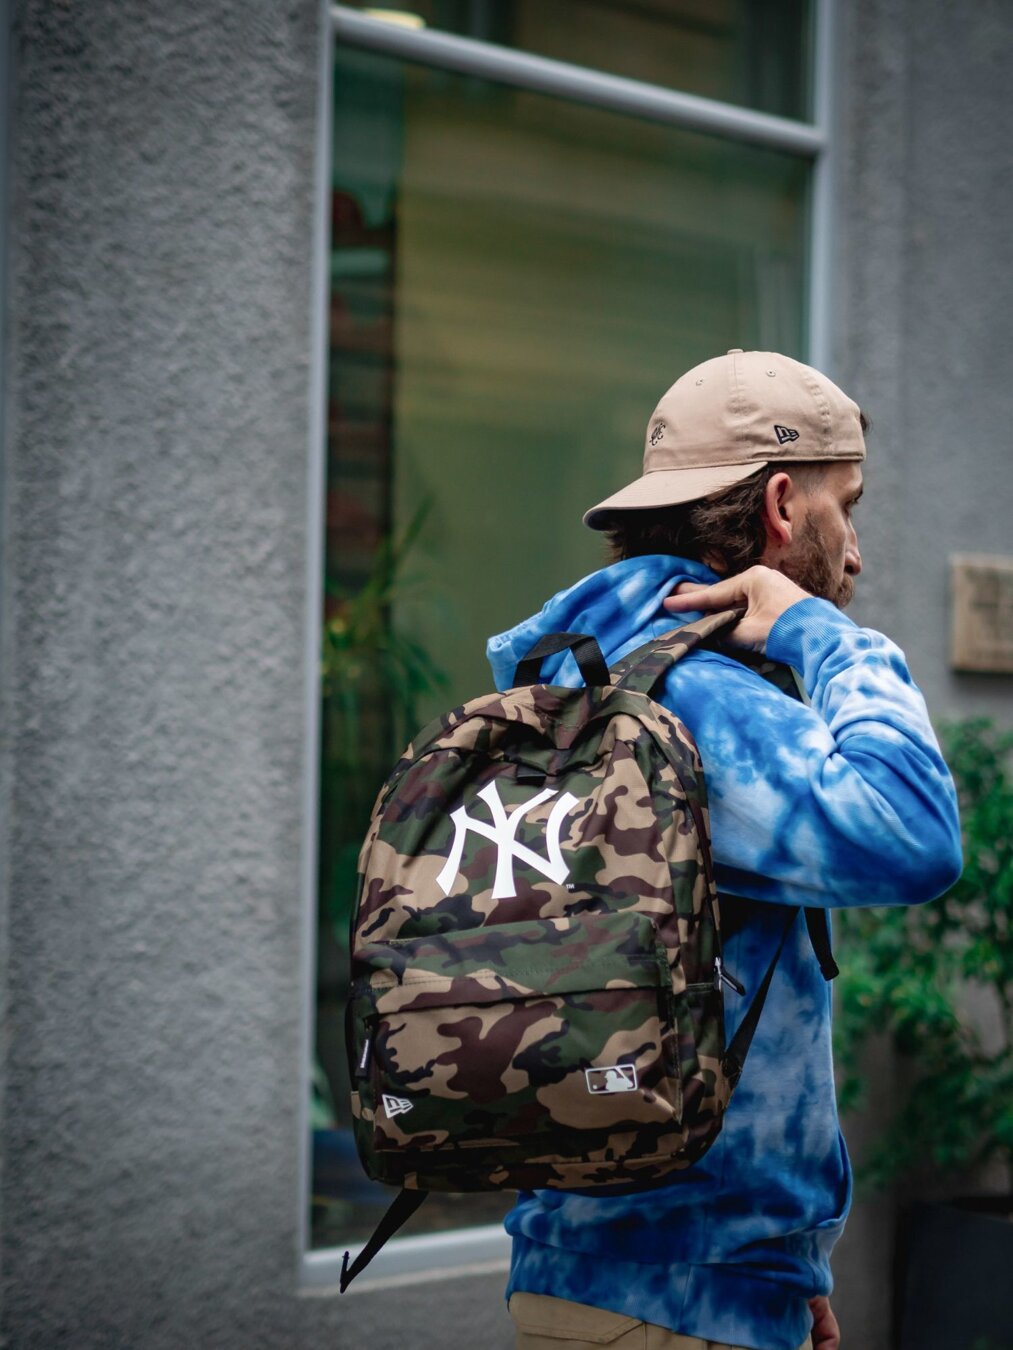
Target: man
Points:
x,y
752,469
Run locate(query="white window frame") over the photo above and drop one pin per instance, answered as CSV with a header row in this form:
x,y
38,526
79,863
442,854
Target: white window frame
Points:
x,y
481,1250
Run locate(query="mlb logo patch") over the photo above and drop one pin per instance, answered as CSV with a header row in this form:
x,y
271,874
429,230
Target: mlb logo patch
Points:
x,y
613,1078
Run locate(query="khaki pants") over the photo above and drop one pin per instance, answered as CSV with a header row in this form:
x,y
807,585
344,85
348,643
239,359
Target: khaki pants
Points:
x,y
545,1323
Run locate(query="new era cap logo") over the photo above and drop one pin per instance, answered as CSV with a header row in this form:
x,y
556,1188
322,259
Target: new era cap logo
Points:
x,y
785,434
614,1078
396,1106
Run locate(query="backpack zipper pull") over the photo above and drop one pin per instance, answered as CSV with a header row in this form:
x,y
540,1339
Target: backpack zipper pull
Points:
x,y
722,976
362,1068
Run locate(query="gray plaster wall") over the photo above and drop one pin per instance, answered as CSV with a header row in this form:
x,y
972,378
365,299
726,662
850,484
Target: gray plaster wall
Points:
x,y
153,612
152,685
924,341
924,319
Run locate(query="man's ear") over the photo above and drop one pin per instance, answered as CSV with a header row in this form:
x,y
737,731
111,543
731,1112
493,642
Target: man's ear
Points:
x,y
780,506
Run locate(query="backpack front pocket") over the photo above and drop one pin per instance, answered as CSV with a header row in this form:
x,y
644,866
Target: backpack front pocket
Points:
x,y
536,1045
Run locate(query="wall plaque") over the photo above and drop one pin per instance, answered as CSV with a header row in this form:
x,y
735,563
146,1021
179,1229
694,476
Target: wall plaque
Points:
x,y
982,634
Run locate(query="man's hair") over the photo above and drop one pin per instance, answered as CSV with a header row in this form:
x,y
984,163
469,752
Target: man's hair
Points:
x,y
727,528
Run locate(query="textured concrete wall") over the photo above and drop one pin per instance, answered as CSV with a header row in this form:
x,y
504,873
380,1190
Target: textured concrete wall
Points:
x,y
155,488
925,312
925,342
153,572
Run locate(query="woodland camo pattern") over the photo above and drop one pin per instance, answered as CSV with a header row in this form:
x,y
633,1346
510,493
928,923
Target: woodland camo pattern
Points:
x,y
474,1021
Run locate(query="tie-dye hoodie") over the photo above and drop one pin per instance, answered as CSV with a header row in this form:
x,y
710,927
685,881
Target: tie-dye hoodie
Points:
x,y
844,802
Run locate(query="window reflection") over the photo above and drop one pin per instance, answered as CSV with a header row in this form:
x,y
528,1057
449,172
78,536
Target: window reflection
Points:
x,y
514,281
754,53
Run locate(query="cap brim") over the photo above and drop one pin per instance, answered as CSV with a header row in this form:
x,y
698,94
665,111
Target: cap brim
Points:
x,y
670,487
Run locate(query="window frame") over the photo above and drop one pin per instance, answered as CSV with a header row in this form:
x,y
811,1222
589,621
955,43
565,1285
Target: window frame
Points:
x,y
485,1249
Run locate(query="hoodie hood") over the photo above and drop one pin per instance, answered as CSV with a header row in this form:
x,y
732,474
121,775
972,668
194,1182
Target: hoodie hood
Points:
x,y
619,605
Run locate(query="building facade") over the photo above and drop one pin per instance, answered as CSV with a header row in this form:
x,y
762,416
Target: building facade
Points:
x,y
282,283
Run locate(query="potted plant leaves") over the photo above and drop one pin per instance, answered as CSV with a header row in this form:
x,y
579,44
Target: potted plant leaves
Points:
x,y
374,677
937,981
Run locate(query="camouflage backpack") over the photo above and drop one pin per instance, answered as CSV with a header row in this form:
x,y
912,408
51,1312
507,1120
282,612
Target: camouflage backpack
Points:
x,y
536,946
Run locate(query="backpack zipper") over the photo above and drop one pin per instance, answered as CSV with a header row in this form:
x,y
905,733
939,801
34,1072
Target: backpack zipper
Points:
x,y
722,976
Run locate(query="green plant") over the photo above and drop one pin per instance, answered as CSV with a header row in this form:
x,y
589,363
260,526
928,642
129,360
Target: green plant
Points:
x,y
373,677
911,972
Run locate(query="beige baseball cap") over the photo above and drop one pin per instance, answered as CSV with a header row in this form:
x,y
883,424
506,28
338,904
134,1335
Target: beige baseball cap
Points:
x,y
728,417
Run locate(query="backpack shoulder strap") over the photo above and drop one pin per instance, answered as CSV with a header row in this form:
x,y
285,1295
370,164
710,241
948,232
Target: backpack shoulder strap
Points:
x,y
786,679
735,1055
819,935
643,669
404,1206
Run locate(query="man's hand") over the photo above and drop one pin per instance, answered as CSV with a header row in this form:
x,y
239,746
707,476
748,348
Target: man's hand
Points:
x,y
826,1333
766,593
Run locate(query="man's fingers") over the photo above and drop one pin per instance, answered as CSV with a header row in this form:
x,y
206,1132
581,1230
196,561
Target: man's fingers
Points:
x,y
691,595
679,601
826,1334
760,594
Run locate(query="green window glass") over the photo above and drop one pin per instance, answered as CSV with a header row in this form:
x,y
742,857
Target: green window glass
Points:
x,y
514,282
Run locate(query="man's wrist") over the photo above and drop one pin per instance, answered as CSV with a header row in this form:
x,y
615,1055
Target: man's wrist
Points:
x,y
802,623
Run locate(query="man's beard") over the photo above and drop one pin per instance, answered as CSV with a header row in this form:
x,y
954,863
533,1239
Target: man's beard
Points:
x,y
809,567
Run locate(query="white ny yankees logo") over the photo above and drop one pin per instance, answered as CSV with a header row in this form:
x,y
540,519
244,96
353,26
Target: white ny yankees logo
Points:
x,y
503,834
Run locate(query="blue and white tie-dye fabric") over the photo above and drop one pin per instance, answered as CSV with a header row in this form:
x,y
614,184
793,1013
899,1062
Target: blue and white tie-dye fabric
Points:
x,y
845,802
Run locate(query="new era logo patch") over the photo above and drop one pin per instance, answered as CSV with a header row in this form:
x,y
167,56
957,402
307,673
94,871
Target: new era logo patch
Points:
x,y
396,1106
613,1078
785,434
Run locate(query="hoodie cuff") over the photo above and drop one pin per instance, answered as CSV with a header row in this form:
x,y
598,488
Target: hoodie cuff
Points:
x,y
804,630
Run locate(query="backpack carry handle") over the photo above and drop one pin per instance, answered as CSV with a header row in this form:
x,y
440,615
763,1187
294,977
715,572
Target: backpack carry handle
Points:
x,y
586,653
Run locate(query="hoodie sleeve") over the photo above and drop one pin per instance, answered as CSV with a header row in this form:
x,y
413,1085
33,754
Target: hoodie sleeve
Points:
x,y
846,802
